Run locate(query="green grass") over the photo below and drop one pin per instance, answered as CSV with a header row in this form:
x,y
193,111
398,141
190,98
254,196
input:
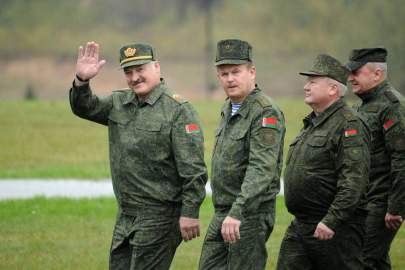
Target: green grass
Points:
x,y
75,234
43,139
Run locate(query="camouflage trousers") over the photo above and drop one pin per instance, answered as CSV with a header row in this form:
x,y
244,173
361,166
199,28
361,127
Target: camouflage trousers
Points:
x,y
377,242
247,253
144,241
300,250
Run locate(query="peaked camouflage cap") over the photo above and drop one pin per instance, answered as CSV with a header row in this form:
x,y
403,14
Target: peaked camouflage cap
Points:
x,y
136,54
233,52
327,66
360,57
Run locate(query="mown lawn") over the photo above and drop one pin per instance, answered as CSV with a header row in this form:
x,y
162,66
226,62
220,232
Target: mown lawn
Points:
x,y
43,139
75,234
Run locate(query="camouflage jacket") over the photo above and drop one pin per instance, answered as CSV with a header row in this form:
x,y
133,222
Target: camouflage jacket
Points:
x,y
247,157
156,147
384,110
327,168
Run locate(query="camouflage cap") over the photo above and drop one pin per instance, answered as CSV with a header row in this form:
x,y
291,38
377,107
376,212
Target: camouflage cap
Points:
x,y
136,54
360,57
327,66
233,52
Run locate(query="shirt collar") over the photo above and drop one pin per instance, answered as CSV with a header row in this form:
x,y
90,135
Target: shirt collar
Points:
x,y
244,108
320,118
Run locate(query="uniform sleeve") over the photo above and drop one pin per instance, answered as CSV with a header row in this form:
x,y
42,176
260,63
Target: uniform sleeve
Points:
x,y
188,148
88,106
265,154
352,166
394,136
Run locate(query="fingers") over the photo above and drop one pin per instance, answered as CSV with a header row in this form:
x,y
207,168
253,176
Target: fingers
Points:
x,y
230,233
80,52
189,228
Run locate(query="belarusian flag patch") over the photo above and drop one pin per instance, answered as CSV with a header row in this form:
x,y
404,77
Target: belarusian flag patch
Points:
x,y
388,124
269,122
350,133
192,129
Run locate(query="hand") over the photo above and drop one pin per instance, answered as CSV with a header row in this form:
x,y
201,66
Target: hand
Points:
x,y
230,230
88,65
189,228
323,232
393,222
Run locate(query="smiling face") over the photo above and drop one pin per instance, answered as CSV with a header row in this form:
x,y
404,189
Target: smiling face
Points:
x,y
319,93
143,79
363,79
237,80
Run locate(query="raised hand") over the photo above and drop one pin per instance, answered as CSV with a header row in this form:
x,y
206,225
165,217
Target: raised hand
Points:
x,y
88,64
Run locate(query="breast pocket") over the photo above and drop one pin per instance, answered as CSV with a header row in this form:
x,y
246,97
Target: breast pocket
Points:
x,y
292,148
317,148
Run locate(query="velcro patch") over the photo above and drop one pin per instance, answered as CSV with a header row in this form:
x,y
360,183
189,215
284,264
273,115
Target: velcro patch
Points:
x,y
269,122
388,124
350,133
192,129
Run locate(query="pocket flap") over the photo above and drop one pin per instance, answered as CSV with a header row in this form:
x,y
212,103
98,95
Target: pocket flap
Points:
x,y
149,126
119,117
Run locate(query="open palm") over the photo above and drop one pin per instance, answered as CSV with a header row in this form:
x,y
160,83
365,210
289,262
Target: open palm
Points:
x,y
88,64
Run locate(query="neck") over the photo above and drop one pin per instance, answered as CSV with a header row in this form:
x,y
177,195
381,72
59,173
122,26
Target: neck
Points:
x,y
320,108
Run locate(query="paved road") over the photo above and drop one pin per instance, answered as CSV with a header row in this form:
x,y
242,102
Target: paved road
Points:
x,y
71,188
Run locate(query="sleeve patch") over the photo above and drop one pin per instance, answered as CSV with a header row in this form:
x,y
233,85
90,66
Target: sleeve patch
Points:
x,y
192,129
388,124
269,122
351,133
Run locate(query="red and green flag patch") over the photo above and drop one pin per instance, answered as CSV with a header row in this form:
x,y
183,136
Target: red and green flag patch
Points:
x,y
269,122
192,129
388,124
350,133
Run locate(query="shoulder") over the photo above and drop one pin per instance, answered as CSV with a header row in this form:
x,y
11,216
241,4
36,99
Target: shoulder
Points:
x,y
264,103
173,98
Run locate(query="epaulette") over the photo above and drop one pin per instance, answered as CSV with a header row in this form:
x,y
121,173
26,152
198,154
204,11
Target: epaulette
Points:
x,y
122,90
263,101
391,97
177,98
349,115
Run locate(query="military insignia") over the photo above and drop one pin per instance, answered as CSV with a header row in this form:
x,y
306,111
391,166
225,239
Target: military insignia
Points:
x,y
129,52
269,122
227,47
350,133
192,129
388,124
177,97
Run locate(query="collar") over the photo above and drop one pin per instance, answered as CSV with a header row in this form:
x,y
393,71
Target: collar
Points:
x,y
316,120
373,92
244,108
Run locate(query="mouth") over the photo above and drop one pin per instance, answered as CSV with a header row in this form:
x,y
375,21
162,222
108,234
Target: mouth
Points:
x,y
135,84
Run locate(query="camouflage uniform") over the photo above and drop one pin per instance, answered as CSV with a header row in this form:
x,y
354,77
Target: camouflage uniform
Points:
x,y
325,181
157,167
384,110
246,166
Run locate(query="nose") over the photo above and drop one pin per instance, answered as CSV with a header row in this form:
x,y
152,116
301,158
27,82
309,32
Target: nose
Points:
x,y
306,87
134,76
350,78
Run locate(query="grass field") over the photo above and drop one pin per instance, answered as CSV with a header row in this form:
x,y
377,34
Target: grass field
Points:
x,y
44,139
75,234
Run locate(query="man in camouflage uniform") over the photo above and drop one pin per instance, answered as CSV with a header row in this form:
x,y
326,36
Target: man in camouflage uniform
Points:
x,y
326,177
246,165
156,157
383,108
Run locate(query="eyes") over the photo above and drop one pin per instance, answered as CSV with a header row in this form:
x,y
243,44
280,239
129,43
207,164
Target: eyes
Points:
x,y
139,69
227,73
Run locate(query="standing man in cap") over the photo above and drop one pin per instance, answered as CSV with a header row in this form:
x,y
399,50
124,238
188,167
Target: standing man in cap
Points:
x,y
246,166
156,157
383,108
326,177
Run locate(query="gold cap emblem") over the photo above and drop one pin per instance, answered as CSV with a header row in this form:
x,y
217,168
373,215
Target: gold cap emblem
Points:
x,y
129,52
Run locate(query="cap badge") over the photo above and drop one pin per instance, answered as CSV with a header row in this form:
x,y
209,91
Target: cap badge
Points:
x,y
129,52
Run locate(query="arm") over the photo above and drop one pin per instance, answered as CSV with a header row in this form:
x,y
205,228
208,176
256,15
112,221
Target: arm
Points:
x,y
352,166
188,149
82,102
263,171
394,136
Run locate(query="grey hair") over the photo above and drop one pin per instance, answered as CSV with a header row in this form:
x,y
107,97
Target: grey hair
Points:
x,y
381,66
342,89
